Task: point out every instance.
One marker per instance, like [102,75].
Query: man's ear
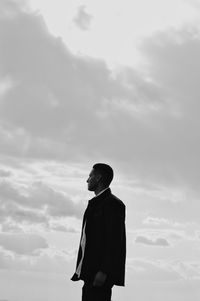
[98,177]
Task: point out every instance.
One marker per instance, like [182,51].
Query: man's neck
[100,190]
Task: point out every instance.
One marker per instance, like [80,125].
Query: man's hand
[99,279]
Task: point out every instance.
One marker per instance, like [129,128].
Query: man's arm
[114,218]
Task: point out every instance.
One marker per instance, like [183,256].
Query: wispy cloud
[4,173]
[83,18]
[162,242]
[23,244]
[161,270]
[47,260]
[36,205]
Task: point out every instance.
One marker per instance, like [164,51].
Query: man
[102,250]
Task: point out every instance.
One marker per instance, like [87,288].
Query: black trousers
[92,293]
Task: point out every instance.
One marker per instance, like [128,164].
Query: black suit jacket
[105,248]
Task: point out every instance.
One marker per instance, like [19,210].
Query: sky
[87,81]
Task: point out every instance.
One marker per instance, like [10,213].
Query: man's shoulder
[113,200]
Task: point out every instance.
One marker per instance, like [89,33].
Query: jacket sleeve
[114,231]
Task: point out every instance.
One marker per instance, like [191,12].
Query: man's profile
[102,250]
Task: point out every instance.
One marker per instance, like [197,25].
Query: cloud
[14,213]
[162,270]
[187,270]
[46,260]
[151,270]
[172,56]
[83,19]
[57,203]
[50,82]
[38,204]
[156,221]
[62,228]
[70,95]
[23,244]
[5,173]
[143,122]
[161,242]
[165,237]
[5,86]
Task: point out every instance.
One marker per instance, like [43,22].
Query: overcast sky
[86,81]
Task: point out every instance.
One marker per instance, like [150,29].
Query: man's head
[100,177]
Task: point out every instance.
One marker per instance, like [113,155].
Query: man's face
[93,180]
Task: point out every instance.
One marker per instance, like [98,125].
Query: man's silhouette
[102,250]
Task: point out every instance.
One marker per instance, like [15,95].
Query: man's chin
[90,188]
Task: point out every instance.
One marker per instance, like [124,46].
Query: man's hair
[106,171]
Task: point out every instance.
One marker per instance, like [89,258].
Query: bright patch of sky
[115,28]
